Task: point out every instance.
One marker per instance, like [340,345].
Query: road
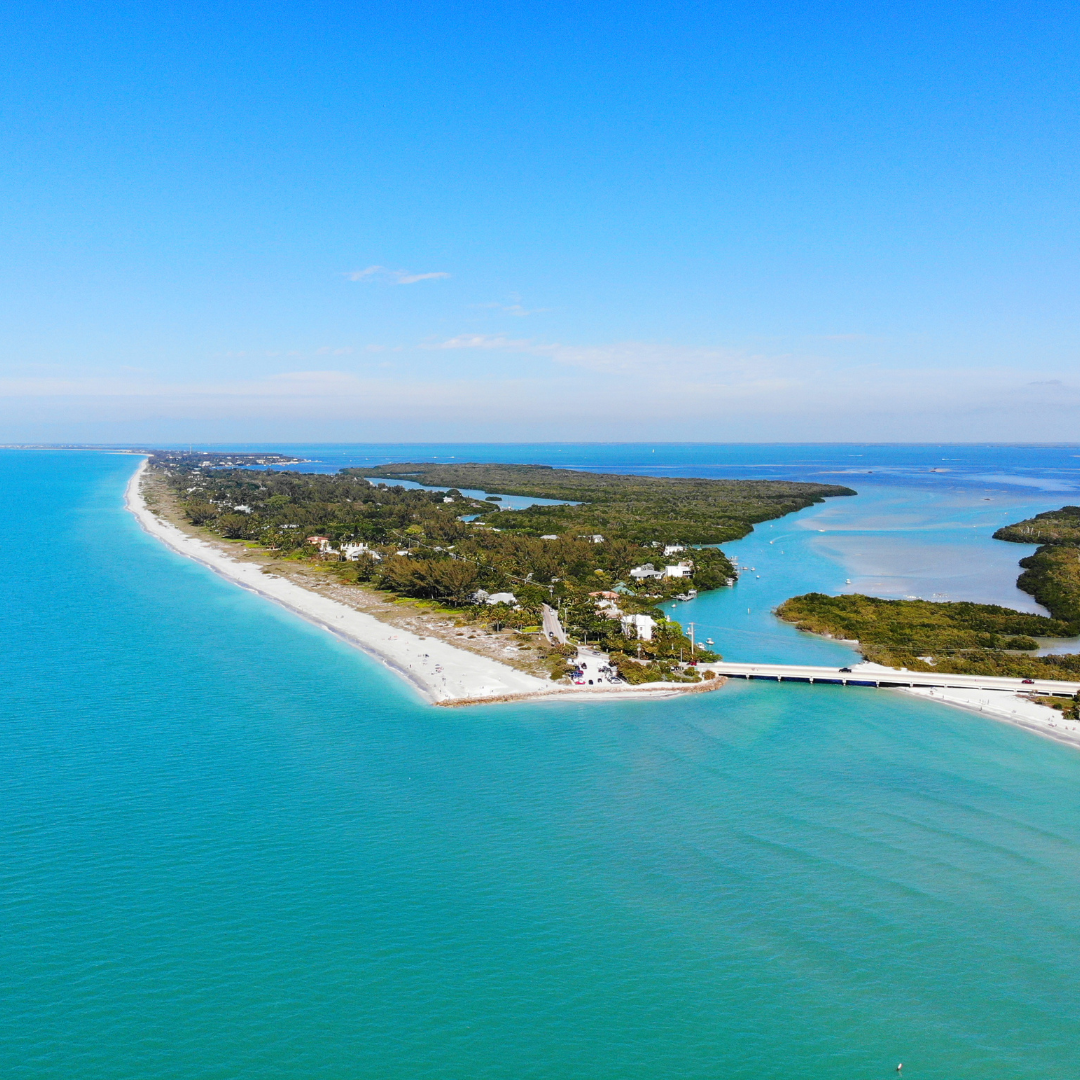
[869,675]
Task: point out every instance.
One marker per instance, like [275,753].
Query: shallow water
[232,846]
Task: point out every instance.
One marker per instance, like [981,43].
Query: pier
[867,675]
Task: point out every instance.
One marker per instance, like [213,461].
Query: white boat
[709,641]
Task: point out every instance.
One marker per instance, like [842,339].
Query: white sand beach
[1007,706]
[439,672]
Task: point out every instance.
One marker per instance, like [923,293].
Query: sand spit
[439,672]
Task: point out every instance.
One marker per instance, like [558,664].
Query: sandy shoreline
[1002,705]
[439,672]
[1008,707]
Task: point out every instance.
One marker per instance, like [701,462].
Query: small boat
[709,641]
[847,581]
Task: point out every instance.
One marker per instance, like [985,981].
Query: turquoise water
[230,846]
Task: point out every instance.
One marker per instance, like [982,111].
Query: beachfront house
[680,569]
[321,542]
[641,573]
[638,626]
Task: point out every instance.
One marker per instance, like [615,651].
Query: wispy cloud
[483,341]
[396,277]
[512,309]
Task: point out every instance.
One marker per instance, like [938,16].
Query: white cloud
[512,309]
[482,341]
[409,279]
[397,277]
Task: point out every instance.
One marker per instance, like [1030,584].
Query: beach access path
[441,673]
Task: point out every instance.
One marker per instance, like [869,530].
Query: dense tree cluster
[1054,527]
[1052,574]
[643,509]
[977,639]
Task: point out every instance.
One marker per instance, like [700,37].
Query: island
[1052,574]
[566,592]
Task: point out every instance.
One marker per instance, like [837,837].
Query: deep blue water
[232,846]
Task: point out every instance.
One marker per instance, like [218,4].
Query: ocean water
[231,846]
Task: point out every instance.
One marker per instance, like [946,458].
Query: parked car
[1028,682]
[845,670]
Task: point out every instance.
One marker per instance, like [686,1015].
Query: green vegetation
[641,509]
[578,559]
[1069,707]
[1052,574]
[1054,527]
[977,639]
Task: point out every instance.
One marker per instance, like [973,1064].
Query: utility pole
[693,647]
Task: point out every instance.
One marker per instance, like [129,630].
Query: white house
[352,552]
[596,538]
[481,596]
[638,626]
[674,549]
[549,536]
[681,569]
[646,571]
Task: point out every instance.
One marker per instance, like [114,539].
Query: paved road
[552,627]
[860,676]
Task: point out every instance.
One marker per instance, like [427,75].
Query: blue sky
[739,221]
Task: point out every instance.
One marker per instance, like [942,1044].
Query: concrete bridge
[873,675]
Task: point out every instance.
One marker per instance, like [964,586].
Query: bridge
[872,675]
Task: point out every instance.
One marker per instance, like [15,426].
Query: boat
[709,641]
